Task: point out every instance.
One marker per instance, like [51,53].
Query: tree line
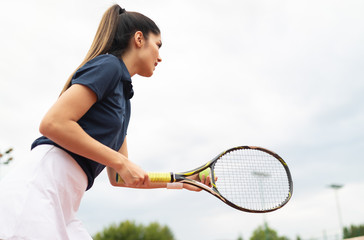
[129,230]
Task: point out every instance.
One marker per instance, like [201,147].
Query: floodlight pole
[260,176]
[336,187]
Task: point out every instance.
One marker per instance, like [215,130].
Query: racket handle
[164,177]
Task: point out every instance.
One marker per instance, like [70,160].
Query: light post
[336,187]
[261,176]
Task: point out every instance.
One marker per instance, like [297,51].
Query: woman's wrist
[175,185]
[119,162]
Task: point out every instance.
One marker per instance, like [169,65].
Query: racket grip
[164,177]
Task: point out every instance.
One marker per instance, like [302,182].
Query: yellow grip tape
[159,177]
[153,176]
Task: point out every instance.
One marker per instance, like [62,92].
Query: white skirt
[39,198]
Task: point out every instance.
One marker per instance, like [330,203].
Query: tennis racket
[250,179]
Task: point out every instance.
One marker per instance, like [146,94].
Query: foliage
[353,231]
[130,231]
[2,155]
[266,233]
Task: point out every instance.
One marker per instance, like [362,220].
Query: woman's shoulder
[102,66]
[106,63]
[105,59]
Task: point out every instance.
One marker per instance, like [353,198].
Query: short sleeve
[100,74]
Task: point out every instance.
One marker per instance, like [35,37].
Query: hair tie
[122,10]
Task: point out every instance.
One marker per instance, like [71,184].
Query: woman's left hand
[205,180]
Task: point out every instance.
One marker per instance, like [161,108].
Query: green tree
[157,232]
[128,230]
[262,233]
[353,231]
[5,158]
[8,158]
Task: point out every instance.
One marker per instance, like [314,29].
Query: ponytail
[116,28]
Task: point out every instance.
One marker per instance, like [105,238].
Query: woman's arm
[60,125]
[112,173]
[124,151]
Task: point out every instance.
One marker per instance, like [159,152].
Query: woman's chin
[147,74]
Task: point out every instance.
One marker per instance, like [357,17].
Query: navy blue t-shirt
[108,119]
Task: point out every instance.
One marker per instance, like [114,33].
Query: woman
[84,131]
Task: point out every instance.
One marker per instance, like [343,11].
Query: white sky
[285,75]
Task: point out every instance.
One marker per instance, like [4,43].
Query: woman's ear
[139,39]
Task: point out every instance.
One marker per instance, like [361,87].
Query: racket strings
[252,179]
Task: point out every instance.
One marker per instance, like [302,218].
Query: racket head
[251,179]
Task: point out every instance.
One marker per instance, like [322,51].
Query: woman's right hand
[132,175]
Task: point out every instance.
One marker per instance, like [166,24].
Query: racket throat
[173,177]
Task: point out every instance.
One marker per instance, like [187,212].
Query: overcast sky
[285,75]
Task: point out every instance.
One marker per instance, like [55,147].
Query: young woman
[84,131]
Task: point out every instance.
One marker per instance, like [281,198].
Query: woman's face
[149,55]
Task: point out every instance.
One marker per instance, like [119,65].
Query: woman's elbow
[47,127]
